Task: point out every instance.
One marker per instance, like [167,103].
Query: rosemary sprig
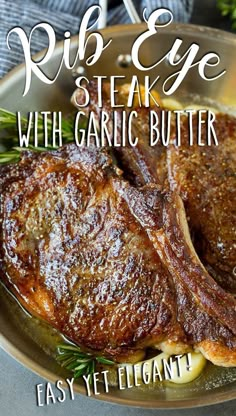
[8,130]
[80,363]
[11,156]
[8,123]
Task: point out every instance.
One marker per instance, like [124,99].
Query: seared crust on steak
[204,309]
[75,256]
[109,265]
[205,177]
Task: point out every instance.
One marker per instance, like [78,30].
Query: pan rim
[214,397]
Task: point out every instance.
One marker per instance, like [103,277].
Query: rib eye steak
[109,265]
[205,177]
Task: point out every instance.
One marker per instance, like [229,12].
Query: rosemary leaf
[81,366]
[70,347]
[67,362]
[9,157]
[91,371]
[63,357]
[103,360]
[79,373]
[74,359]
[73,366]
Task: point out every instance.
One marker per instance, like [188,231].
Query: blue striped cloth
[65,15]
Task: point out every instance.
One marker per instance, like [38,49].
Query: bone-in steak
[109,265]
[205,177]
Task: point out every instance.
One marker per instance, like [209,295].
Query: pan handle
[129,5]
[130,8]
[102,22]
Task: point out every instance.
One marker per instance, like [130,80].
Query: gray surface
[17,397]
[18,385]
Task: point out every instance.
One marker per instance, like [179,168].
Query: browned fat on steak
[139,162]
[109,265]
[205,177]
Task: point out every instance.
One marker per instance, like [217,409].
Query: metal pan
[31,342]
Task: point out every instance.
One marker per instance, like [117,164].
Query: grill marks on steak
[205,177]
[109,265]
